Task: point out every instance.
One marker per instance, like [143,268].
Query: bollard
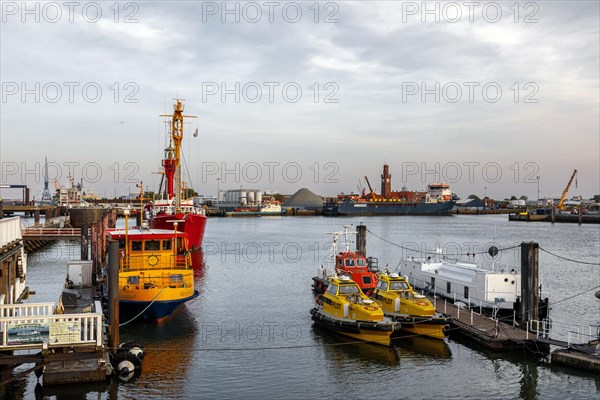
[445,307]
[471,317]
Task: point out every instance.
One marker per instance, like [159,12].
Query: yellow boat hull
[372,332]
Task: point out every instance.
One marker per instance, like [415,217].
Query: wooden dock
[490,333]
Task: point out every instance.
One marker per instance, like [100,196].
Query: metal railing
[52,232]
[155,280]
[153,261]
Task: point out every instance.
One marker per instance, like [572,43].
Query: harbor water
[250,335]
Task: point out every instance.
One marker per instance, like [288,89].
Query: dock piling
[113,293]
[361,239]
[529,281]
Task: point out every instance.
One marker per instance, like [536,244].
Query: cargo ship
[175,210]
[267,208]
[437,200]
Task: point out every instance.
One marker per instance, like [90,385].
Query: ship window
[466,292]
[177,278]
[133,280]
[167,245]
[332,289]
[366,280]
[432,282]
[350,262]
[121,243]
[152,245]
[361,262]
[384,285]
[448,287]
[136,245]
[340,262]
[347,289]
[398,285]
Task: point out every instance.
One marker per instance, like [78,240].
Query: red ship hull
[192,224]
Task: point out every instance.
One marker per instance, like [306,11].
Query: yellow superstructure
[347,310]
[416,313]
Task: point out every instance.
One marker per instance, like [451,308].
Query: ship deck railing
[155,261]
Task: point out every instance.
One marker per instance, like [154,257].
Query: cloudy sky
[490,95]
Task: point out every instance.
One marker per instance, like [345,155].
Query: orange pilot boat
[362,270]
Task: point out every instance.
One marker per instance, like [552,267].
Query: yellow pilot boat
[155,273]
[414,311]
[347,310]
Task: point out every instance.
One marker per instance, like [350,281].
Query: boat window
[177,278]
[121,243]
[167,245]
[133,280]
[136,245]
[384,285]
[448,287]
[432,282]
[398,285]
[347,289]
[361,262]
[152,245]
[350,262]
[332,289]
[466,292]
[340,262]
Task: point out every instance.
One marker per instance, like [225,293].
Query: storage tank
[251,197]
[258,196]
[243,197]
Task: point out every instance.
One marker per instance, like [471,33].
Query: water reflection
[341,349]
[168,354]
[423,347]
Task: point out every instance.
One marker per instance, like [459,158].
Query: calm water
[250,334]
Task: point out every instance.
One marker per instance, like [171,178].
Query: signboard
[27,333]
[65,332]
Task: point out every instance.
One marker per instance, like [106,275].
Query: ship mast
[173,163]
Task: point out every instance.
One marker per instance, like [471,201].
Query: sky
[486,96]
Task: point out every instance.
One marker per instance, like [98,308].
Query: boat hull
[150,310]
[192,224]
[348,207]
[378,333]
[433,327]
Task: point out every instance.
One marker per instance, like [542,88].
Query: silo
[258,196]
[243,197]
[251,197]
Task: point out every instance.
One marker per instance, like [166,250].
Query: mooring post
[113,293]
[529,281]
[361,239]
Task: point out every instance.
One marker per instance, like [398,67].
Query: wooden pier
[492,334]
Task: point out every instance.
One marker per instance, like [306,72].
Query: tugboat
[345,309]
[155,272]
[414,311]
[351,263]
[192,218]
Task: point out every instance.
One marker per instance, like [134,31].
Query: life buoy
[421,303]
[152,260]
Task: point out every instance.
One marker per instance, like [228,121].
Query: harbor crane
[561,204]
[370,188]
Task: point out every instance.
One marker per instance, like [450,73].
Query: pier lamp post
[126,213]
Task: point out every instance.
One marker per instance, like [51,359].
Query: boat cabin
[151,249]
[356,266]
